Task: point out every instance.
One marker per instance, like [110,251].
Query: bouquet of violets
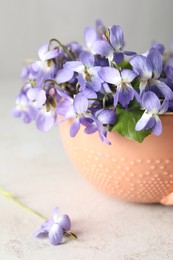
[100,86]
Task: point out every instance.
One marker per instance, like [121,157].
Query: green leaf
[125,65]
[126,121]
[135,83]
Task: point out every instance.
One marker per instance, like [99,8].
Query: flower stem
[62,46]
[10,196]
[51,81]
[70,234]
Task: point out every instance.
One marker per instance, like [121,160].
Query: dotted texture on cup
[126,169]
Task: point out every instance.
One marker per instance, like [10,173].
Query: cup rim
[167,114]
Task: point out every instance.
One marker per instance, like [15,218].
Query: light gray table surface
[34,167]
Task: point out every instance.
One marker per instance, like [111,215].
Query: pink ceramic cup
[132,171]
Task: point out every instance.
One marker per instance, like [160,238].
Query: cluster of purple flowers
[88,84]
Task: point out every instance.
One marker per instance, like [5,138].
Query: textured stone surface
[34,167]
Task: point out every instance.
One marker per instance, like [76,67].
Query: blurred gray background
[25,25]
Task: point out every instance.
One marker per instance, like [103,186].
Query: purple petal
[80,104]
[46,225]
[116,98]
[169,71]
[45,54]
[22,99]
[129,53]
[65,108]
[44,121]
[151,123]
[25,72]
[89,93]
[90,129]
[75,47]
[40,233]
[82,82]
[63,94]
[95,84]
[99,23]
[90,36]
[74,128]
[103,137]
[142,86]
[126,94]
[103,134]
[100,27]
[64,75]
[165,90]
[116,37]
[107,117]
[56,234]
[40,96]
[32,93]
[85,121]
[128,75]
[64,221]
[159,47]
[142,66]
[164,107]
[143,121]
[42,71]
[137,96]
[110,75]
[35,66]
[101,61]
[33,112]
[25,117]
[106,88]
[87,58]
[118,57]
[157,129]
[102,47]
[76,66]
[16,112]
[43,231]
[55,214]
[155,58]
[93,71]
[151,102]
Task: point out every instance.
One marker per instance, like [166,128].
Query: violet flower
[124,91]
[157,46]
[80,105]
[44,68]
[23,107]
[45,103]
[55,228]
[153,108]
[149,69]
[112,45]
[76,108]
[91,35]
[168,68]
[45,53]
[87,72]
[38,96]
[101,120]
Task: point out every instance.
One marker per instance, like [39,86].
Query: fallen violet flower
[55,228]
